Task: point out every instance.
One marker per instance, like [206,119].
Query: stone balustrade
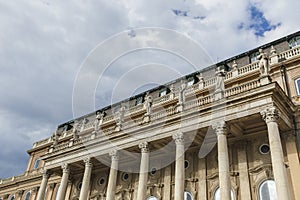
[289,53]
[109,120]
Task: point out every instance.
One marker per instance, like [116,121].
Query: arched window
[12,197]
[217,195]
[267,190]
[152,198]
[36,163]
[27,196]
[297,84]
[188,196]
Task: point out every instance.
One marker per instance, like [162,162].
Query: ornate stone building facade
[229,131]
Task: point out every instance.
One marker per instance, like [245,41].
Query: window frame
[262,183]
[25,197]
[163,92]
[12,197]
[218,189]
[37,163]
[296,85]
[294,42]
[188,193]
[253,57]
[151,197]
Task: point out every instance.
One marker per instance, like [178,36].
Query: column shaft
[43,186]
[63,183]
[243,171]
[84,191]
[167,183]
[271,116]
[223,162]
[279,169]
[112,181]
[144,168]
[202,185]
[179,167]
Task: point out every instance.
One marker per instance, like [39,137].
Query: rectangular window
[253,57]
[190,82]
[139,101]
[163,92]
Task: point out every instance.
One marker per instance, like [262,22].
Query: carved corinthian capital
[114,155]
[220,128]
[178,137]
[65,168]
[270,114]
[45,173]
[144,147]
[87,162]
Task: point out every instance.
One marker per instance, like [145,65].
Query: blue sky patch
[258,23]
[183,13]
[180,12]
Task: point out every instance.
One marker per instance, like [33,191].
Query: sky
[44,46]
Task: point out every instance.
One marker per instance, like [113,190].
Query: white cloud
[43,43]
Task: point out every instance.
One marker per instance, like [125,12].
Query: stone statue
[172,91]
[96,125]
[263,63]
[220,74]
[148,103]
[75,130]
[121,114]
[100,117]
[219,87]
[55,138]
[181,96]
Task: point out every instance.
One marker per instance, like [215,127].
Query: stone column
[202,185]
[179,167]
[294,167]
[63,183]
[43,186]
[144,168]
[243,171]
[84,191]
[223,161]
[112,181]
[167,182]
[271,116]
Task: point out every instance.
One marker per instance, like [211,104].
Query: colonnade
[270,116]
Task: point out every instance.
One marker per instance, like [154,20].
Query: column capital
[65,168]
[87,162]
[45,173]
[178,137]
[144,147]
[270,114]
[114,154]
[220,128]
